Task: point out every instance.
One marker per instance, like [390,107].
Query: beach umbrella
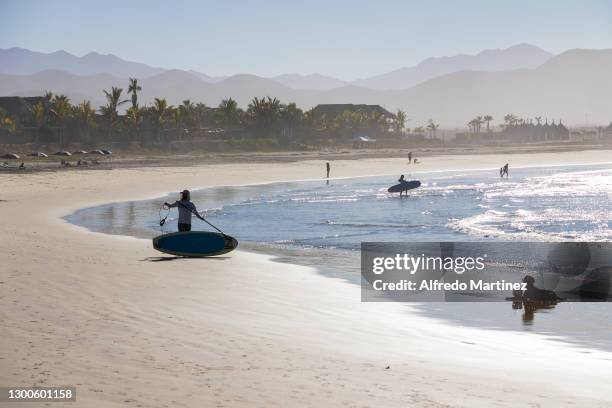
[11,156]
[38,154]
[63,153]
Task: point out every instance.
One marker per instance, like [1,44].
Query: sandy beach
[97,312]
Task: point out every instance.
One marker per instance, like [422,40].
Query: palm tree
[187,110]
[113,101]
[510,120]
[201,114]
[134,117]
[133,89]
[85,115]
[264,114]
[228,110]
[479,121]
[39,117]
[159,111]
[488,119]
[432,127]
[177,120]
[474,124]
[291,116]
[400,121]
[61,110]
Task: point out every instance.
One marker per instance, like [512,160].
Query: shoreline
[130,159]
[330,262]
[242,330]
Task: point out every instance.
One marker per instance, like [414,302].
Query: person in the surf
[328,167]
[506,170]
[402,180]
[185,209]
[501,172]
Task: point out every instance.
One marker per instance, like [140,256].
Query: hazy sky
[346,39]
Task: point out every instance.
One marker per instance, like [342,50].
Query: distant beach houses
[519,131]
[529,132]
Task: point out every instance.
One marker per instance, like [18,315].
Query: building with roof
[18,106]
[333,110]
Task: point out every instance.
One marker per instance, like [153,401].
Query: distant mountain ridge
[569,86]
[20,61]
[315,82]
[515,57]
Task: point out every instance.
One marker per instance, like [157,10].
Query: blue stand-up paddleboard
[401,187]
[195,244]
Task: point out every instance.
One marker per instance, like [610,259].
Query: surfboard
[195,244]
[409,185]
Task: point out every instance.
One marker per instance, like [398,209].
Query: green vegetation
[266,123]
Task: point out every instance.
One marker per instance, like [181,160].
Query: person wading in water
[185,209]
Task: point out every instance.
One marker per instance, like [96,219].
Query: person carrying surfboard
[185,209]
[402,180]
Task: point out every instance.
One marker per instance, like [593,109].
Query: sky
[341,38]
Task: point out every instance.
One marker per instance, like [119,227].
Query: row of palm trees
[475,125]
[160,121]
[264,117]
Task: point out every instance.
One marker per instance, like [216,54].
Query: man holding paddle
[185,209]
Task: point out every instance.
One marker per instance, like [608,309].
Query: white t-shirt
[185,209]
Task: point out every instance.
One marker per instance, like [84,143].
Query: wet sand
[101,313]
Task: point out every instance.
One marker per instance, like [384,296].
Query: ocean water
[322,224]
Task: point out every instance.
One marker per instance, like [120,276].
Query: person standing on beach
[328,166]
[409,157]
[506,170]
[185,209]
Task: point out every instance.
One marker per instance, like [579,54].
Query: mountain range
[569,86]
[20,61]
[515,57]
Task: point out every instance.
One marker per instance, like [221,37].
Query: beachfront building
[19,107]
[345,122]
[522,132]
[528,132]
[333,110]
